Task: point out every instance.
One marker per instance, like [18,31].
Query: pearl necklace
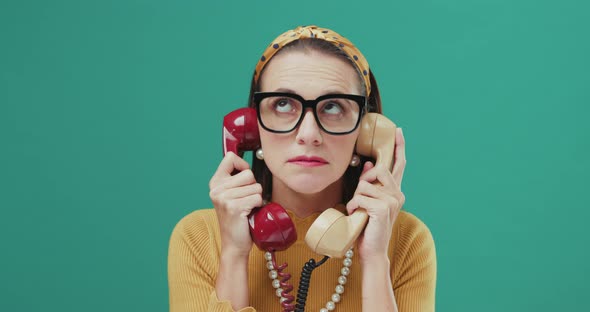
[339,290]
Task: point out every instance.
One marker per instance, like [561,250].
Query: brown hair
[351,175]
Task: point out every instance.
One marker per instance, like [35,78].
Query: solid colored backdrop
[110,123]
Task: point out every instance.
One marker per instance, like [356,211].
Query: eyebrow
[287,90]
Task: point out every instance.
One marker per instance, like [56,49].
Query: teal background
[110,117]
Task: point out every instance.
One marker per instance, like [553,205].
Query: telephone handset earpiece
[240,131]
[333,233]
[270,226]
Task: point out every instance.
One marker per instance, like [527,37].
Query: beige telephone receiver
[333,233]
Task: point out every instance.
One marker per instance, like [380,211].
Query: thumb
[366,167]
[230,163]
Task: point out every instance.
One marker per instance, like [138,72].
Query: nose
[309,131]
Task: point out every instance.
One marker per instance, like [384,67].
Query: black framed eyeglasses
[282,112]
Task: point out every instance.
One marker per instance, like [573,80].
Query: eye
[283,105]
[332,108]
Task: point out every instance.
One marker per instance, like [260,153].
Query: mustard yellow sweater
[193,263]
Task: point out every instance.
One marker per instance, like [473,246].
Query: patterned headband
[312,31]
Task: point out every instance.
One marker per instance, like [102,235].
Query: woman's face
[309,75]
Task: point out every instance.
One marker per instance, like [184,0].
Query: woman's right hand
[234,197]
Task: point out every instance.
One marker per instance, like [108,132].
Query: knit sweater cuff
[216,305]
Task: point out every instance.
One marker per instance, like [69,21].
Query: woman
[306,167]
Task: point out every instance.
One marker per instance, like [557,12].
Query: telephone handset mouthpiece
[333,233]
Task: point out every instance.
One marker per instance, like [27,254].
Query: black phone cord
[304,282]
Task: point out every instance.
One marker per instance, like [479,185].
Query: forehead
[310,74]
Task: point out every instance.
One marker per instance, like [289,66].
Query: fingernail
[400,130]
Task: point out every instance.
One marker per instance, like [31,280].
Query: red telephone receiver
[270,226]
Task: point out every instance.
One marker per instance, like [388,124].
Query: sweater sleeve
[192,267]
[415,284]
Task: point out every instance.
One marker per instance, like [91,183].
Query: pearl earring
[259,154]
[355,161]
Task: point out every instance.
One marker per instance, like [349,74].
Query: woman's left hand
[382,202]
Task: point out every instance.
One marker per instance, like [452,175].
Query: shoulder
[413,269]
[197,217]
[412,242]
[193,254]
[410,228]
[197,228]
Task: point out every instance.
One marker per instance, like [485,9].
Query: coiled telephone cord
[304,282]
[284,277]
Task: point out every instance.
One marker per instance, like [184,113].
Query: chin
[308,184]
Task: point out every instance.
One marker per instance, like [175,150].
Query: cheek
[267,139]
[272,145]
[275,147]
[343,147]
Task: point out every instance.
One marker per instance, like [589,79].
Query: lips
[308,161]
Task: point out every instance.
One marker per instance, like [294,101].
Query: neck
[303,205]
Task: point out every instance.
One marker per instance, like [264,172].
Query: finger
[380,174]
[243,191]
[367,189]
[228,164]
[388,207]
[366,167]
[244,206]
[367,173]
[245,177]
[400,156]
[364,202]
[379,192]
[387,180]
